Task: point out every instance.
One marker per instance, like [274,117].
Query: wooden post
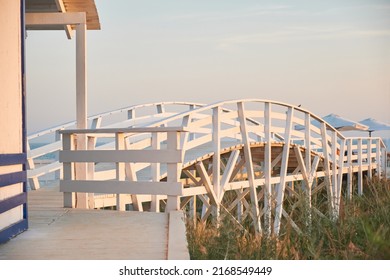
[120,171]
[360,169]
[267,170]
[340,176]
[378,158]
[173,139]
[334,167]
[68,145]
[283,172]
[216,158]
[369,158]
[155,203]
[249,168]
[81,106]
[350,169]
[328,180]
[91,171]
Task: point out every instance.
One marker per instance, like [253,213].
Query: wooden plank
[120,170]
[194,191]
[45,169]
[360,172]
[34,19]
[268,169]
[207,183]
[151,156]
[122,187]
[283,172]
[229,171]
[124,130]
[68,170]
[327,166]
[378,158]
[12,159]
[155,203]
[340,175]
[249,167]
[216,124]
[173,170]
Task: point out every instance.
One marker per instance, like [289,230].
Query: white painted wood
[194,191]
[378,158]
[173,170]
[369,158]
[155,204]
[249,168]
[48,168]
[340,176]
[216,123]
[91,142]
[328,178]
[124,130]
[334,168]
[52,147]
[55,18]
[120,171]
[122,187]
[360,172]
[227,174]
[61,7]
[151,156]
[268,169]
[68,167]
[349,164]
[207,183]
[283,172]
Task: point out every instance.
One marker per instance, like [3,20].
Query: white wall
[10,99]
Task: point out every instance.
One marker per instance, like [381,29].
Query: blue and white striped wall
[13,193]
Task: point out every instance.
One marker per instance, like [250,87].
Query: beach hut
[344,124]
[374,125]
[75,17]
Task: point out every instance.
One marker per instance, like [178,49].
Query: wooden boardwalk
[73,234]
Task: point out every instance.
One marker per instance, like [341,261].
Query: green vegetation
[361,232]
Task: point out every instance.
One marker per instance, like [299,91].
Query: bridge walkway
[59,233]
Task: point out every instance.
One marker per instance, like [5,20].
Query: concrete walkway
[72,234]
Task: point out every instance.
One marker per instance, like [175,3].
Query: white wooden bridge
[241,158]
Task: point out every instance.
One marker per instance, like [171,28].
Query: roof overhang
[64,6]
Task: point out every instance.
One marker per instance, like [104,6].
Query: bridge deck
[61,233]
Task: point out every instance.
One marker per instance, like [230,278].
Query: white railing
[43,146]
[273,143]
[79,166]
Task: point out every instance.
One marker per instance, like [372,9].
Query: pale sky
[329,56]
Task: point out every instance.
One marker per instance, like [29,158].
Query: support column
[81,106]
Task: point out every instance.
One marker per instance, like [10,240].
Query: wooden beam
[155,204]
[228,171]
[249,167]
[360,162]
[131,175]
[350,174]
[283,172]
[216,123]
[149,156]
[122,187]
[35,19]
[120,171]
[329,187]
[68,28]
[173,170]
[207,183]
[268,169]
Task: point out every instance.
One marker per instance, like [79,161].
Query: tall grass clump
[362,231]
